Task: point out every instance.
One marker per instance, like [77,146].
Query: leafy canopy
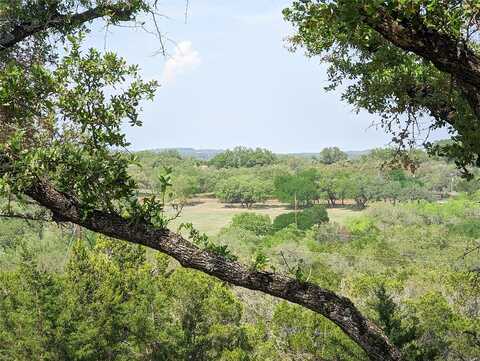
[243,157]
[299,188]
[408,91]
[65,124]
[332,155]
[245,190]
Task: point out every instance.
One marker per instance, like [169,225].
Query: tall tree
[298,189]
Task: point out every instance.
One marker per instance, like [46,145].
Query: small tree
[392,191]
[185,187]
[414,343]
[415,192]
[388,318]
[334,185]
[364,189]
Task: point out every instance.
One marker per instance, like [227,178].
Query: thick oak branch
[338,309]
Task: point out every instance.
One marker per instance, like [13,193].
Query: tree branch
[339,310]
[22,31]
[441,110]
[449,55]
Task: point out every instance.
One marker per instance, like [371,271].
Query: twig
[158,33]
[285,261]
[187,2]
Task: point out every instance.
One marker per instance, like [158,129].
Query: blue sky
[229,80]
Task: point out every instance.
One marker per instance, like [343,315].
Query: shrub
[283,220]
[362,227]
[363,231]
[331,232]
[185,187]
[304,219]
[314,215]
[257,223]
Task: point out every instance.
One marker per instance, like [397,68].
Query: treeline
[248,176]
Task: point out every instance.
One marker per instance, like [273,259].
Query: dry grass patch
[209,215]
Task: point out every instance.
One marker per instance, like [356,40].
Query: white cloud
[184,59]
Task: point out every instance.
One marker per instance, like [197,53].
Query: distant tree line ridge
[247,176]
[209,154]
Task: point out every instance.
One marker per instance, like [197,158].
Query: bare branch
[187,3]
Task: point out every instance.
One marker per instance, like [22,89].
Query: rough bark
[339,310]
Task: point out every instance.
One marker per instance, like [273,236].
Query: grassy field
[208,215]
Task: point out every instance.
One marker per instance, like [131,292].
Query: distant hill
[203,154]
[207,154]
[352,154]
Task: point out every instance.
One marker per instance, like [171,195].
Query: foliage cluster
[240,157]
[304,219]
[245,190]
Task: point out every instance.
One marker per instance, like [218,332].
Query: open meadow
[209,215]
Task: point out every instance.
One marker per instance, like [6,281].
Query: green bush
[362,227]
[283,220]
[257,223]
[314,215]
[304,219]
